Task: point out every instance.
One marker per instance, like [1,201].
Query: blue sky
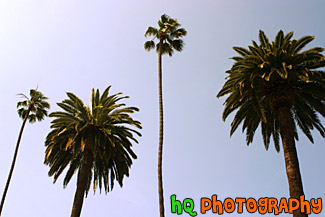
[71,46]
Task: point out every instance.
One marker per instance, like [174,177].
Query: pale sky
[72,46]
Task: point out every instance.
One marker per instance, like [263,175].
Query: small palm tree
[278,87]
[95,141]
[168,36]
[32,109]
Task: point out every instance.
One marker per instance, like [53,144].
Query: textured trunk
[161,134]
[290,156]
[82,181]
[14,159]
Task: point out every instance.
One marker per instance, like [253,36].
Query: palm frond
[148,45]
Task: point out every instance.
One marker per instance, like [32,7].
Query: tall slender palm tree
[278,86]
[32,109]
[96,141]
[168,36]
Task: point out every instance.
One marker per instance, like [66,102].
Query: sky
[72,46]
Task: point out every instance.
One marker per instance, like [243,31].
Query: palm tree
[278,86]
[32,109]
[168,36]
[96,141]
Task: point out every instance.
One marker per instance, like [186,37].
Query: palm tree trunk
[290,156]
[14,159]
[82,181]
[161,134]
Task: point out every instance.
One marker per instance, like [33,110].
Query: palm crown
[168,34]
[36,104]
[268,76]
[102,129]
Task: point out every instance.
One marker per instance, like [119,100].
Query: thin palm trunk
[14,159]
[290,156]
[82,181]
[161,134]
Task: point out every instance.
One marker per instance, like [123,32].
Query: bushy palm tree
[277,86]
[95,141]
[169,39]
[33,109]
